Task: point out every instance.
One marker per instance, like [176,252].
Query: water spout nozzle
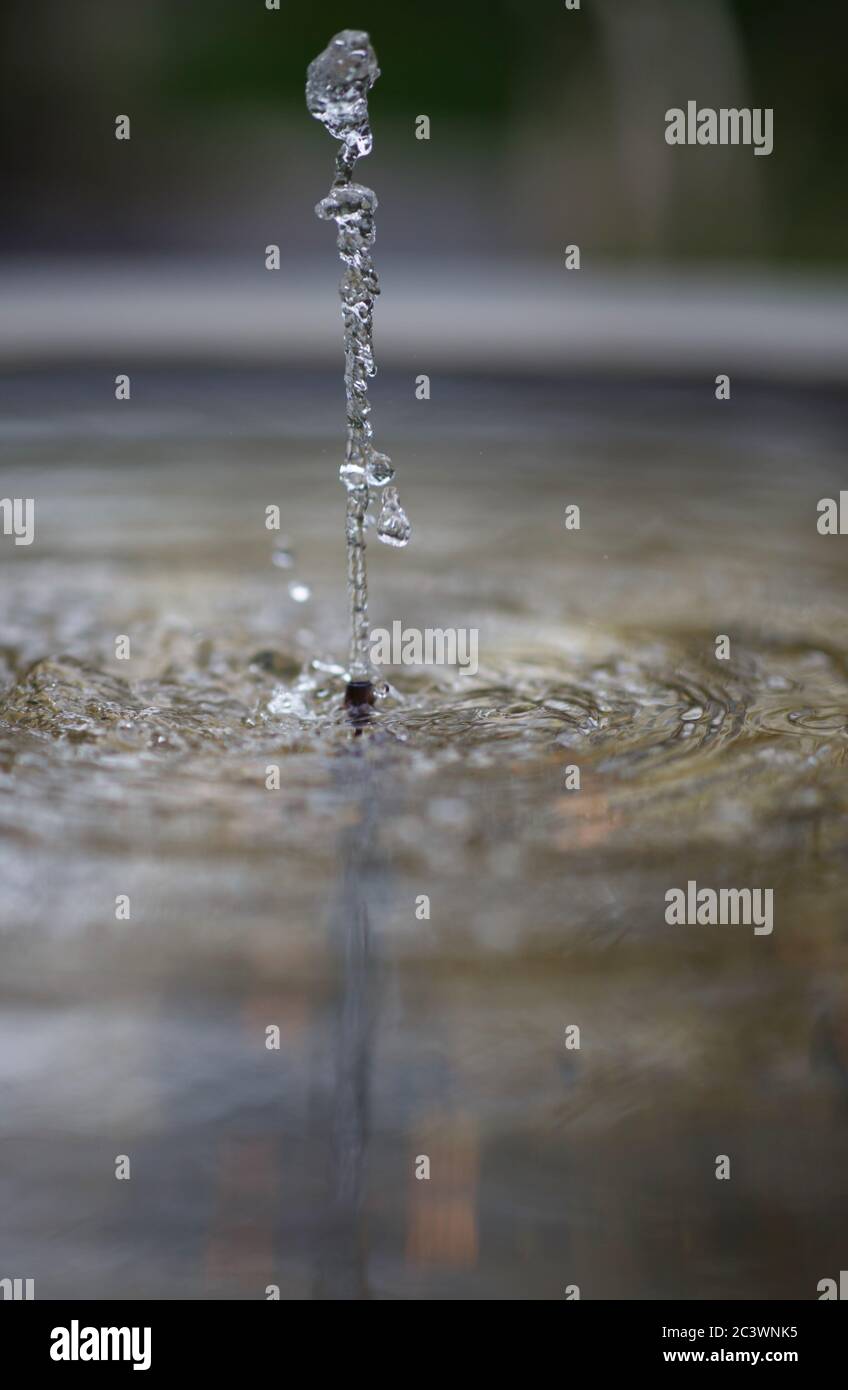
[358,699]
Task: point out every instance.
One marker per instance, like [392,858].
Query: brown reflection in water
[589,820]
[241,1245]
[442,1210]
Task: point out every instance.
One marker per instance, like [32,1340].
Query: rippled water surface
[296,907]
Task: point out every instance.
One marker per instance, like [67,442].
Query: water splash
[337,86]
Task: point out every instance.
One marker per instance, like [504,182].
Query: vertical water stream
[337,86]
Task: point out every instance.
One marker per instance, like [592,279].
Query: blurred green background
[547,127]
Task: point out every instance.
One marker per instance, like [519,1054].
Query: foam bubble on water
[337,86]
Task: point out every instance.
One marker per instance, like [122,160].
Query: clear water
[297,907]
[337,86]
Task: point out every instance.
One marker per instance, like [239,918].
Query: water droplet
[337,84]
[330,668]
[353,204]
[379,470]
[352,473]
[393,525]
[299,592]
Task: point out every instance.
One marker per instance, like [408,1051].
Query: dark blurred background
[547,126]
[547,129]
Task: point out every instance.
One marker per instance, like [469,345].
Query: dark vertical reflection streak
[344,1267]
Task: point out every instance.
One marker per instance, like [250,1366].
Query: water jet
[337,86]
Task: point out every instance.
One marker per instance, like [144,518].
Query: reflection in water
[442,1225]
[344,1263]
[442,1219]
[295,907]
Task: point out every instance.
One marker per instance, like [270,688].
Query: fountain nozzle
[359,697]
